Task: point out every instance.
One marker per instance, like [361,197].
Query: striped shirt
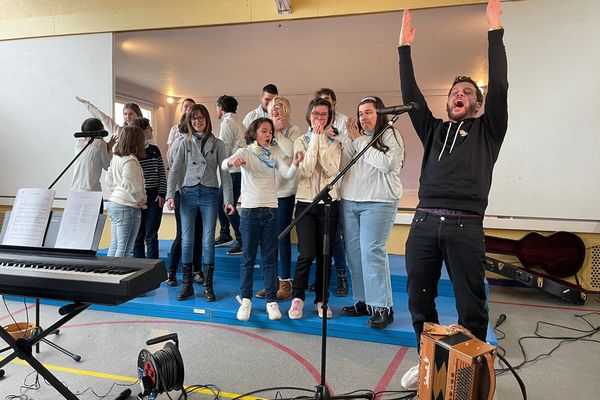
[154,171]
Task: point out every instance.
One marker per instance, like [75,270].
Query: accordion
[454,365]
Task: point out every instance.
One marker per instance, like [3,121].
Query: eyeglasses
[198,118]
[319,115]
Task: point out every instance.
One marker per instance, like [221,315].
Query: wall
[38,110]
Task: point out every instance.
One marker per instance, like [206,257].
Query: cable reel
[162,371]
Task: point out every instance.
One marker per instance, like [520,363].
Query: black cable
[270,389]
[562,339]
[517,377]
[408,394]
[213,388]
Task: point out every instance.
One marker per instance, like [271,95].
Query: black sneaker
[236,250]
[382,317]
[224,241]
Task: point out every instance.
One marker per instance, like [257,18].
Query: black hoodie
[460,177]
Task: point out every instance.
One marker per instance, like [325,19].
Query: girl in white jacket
[125,180]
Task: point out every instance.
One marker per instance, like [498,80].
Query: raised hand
[407,32]
[353,132]
[79,99]
[317,128]
[111,143]
[298,158]
[493,13]
[331,132]
[281,123]
[236,162]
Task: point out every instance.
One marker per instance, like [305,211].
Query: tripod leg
[74,356]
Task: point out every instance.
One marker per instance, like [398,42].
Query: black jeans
[458,241]
[146,242]
[175,256]
[224,219]
[310,230]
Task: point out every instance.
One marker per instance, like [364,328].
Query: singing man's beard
[471,111]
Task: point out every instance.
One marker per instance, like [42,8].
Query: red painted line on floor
[19,311]
[547,307]
[391,370]
[305,363]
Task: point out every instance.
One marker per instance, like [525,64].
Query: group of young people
[260,176]
[263,168]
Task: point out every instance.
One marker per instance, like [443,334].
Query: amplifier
[455,365]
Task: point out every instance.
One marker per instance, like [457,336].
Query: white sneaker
[410,380]
[320,310]
[273,310]
[295,311]
[243,313]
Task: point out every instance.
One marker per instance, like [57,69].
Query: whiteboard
[549,164]
[38,111]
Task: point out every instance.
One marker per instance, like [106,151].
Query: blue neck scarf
[263,154]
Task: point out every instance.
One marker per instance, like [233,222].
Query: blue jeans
[367,227]
[175,256]
[205,200]
[286,212]
[147,237]
[125,222]
[458,242]
[259,226]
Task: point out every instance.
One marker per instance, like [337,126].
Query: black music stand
[23,347]
[322,391]
[49,241]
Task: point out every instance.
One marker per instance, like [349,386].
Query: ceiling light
[170,100]
[284,7]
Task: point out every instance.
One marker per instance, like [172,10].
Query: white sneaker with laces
[295,311]
[273,310]
[243,313]
[410,380]
[320,310]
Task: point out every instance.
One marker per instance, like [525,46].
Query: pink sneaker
[295,311]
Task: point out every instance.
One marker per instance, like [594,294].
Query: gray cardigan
[191,166]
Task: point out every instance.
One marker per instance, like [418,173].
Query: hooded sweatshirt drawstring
[446,139]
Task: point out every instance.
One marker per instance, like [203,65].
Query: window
[146,111]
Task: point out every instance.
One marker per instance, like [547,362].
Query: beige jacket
[320,166]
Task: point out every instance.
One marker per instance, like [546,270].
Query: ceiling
[350,54]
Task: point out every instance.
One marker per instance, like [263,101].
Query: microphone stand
[322,391]
[74,356]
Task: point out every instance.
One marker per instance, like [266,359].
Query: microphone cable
[168,372]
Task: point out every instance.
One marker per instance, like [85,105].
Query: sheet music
[29,217]
[79,221]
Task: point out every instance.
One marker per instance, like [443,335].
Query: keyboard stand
[23,347]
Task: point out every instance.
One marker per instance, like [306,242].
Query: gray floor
[239,360]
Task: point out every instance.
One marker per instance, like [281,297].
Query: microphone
[396,110]
[91,134]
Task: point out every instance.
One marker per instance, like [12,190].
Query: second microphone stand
[74,356]
[322,391]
